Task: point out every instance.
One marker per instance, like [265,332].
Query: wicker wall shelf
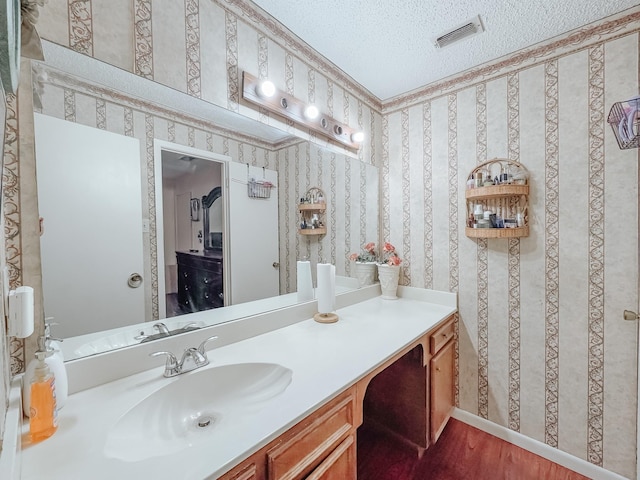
[484,193]
[509,200]
[312,207]
[497,232]
[312,213]
[313,231]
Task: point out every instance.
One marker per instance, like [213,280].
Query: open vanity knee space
[287,404]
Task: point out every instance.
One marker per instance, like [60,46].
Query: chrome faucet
[192,358]
[161,328]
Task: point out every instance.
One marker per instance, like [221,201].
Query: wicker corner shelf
[505,199]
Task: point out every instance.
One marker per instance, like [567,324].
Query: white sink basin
[194,407]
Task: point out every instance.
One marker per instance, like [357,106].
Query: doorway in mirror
[219,244]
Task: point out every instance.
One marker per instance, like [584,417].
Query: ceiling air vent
[468,29]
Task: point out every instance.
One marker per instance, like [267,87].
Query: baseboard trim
[534,446]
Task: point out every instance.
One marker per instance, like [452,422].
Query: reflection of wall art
[195,209]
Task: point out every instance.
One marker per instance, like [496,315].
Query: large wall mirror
[119,130]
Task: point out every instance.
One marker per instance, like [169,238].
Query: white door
[253,236]
[89,186]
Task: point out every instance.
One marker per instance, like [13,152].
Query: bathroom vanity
[339,376]
[323,445]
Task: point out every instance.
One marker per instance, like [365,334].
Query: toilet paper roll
[305,284]
[326,292]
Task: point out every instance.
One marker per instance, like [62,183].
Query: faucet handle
[204,344]
[192,359]
[161,328]
[172,361]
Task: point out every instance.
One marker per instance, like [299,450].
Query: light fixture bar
[290,107]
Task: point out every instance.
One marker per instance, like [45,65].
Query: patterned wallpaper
[543,347]
[4,344]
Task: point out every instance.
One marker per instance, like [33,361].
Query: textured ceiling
[386,45]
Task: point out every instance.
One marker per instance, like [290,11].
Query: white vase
[389,276]
[365,273]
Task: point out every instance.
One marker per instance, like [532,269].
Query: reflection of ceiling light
[311,112]
[357,137]
[266,89]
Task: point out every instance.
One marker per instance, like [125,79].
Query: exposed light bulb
[311,112]
[357,137]
[266,89]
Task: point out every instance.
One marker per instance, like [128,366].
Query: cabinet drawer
[340,464]
[440,337]
[306,448]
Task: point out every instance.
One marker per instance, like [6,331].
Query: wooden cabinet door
[442,389]
[299,452]
[340,464]
[245,471]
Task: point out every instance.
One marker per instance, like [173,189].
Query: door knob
[134,280]
[276,265]
[629,315]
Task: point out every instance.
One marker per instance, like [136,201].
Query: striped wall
[352,198]
[543,347]
[4,341]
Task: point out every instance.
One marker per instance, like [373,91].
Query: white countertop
[325,360]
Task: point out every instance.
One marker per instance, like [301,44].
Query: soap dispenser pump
[43,421]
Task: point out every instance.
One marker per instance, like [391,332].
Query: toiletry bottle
[55,362]
[43,421]
[471,183]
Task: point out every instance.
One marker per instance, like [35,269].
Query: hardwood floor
[462,453]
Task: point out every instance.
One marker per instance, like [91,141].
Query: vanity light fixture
[266,95]
[311,112]
[266,89]
[357,137]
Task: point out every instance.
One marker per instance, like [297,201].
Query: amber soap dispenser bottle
[43,421]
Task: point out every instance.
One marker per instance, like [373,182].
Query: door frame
[158,147]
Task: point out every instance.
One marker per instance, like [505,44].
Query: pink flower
[390,256]
[394,260]
[368,255]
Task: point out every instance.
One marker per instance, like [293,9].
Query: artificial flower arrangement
[390,256]
[368,254]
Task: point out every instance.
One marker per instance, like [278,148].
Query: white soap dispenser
[55,362]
